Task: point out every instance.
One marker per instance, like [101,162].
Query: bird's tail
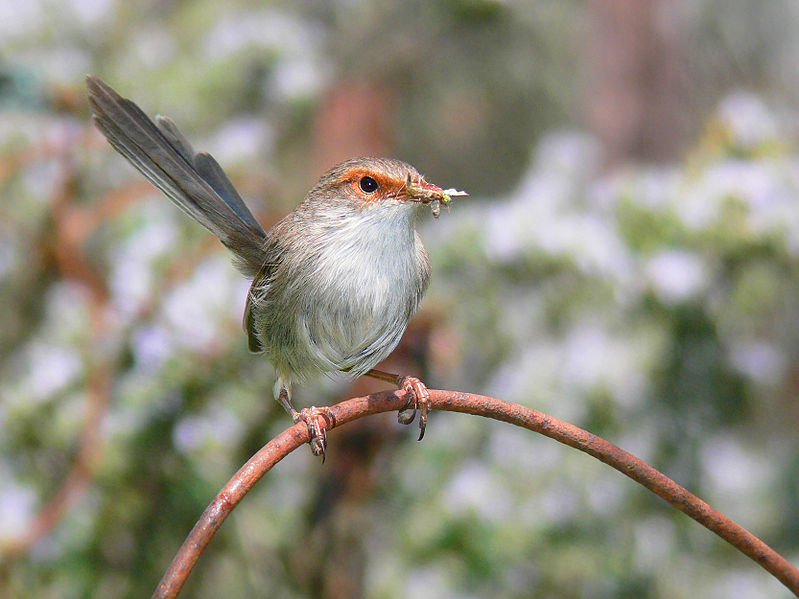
[193,181]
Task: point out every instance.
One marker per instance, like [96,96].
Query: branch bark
[489,407]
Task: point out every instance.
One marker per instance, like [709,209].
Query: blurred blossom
[529,370]
[241,288]
[17,503]
[503,239]
[515,450]
[18,19]
[153,46]
[64,64]
[62,133]
[761,361]
[568,155]
[431,581]
[589,354]
[217,426]
[50,368]
[595,246]
[243,139]
[766,186]
[759,185]
[648,186]
[749,120]
[131,280]
[42,179]
[474,489]
[644,440]
[158,234]
[541,193]
[299,67]
[152,345]
[675,275]
[141,400]
[130,283]
[66,308]
[546,213]
[297,78]
[594,358]
[733,469]
[197,309]
[608,493]
[658,186]
[20,127]
[266,28]
[559,502]
[655,539]
[92,12]
[743,583]
[699,202]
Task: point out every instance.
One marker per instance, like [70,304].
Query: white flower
[675,275]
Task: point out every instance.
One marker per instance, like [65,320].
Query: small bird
[334,283]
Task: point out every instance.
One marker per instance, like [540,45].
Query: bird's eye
[368,185]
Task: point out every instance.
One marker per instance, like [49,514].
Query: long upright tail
[193,181]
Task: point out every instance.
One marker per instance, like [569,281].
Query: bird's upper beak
[419,190]
[424,192]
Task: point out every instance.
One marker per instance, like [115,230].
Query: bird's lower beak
[427,193]
[422,191]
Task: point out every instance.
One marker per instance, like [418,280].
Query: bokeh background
[628,260]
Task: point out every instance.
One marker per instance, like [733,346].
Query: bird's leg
[317,419]
[418,395]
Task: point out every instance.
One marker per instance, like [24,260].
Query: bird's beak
[422,191]
[427,193]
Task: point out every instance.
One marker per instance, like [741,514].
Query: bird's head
[372,182]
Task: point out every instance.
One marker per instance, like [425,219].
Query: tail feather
[208,168]
[194,182]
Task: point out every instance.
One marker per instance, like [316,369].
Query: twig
[81,473]
[72,262]
[489,407]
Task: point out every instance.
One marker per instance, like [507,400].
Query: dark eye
[368,185]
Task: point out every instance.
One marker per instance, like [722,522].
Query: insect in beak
[427,193]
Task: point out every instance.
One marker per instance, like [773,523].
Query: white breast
[366,289]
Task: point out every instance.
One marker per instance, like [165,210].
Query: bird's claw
[318,420]
[418,399]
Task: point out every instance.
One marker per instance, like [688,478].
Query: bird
[334,283]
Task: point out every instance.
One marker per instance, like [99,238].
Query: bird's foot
[318,420]
[417,393]
[418,399]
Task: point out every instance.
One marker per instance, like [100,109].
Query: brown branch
[81,474]
[71,260]
[489,407]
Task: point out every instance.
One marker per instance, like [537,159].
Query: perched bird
[334,283]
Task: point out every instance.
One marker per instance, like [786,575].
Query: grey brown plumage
[335,282]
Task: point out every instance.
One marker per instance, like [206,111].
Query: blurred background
[628,260]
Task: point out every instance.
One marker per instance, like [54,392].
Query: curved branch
[489,407]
